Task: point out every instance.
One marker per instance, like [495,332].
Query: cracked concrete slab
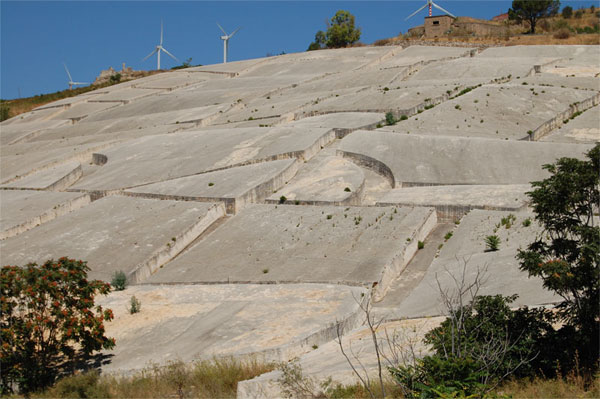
[438,160]
[137,232]
[191,322]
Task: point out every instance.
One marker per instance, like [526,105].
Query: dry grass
[545,33]
[570,387]
[204,379]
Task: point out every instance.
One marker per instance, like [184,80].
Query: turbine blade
[170,55]
[440,8]
[222,30]
[149,55]
[80,83]
[230,36]
[416,12]
[68,74]
[161,32]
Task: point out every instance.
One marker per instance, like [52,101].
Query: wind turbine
[225,39]
[429,4]
[160,48]
[71,83]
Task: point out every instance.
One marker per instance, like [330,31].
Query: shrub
[578,14]
[347,189]
[448,236]
[390,119]
[403,117]
[84,385]
[527,222]
[116,78]
[566,256]
[48,317]
[282,199]
[492,243]
[567,12]
[134,305]
[119,281]
[420,245]
[4,112]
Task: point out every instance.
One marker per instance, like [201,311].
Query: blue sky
[89,36]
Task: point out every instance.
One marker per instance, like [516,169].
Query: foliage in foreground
[48,319]
[566,256]
[202,379]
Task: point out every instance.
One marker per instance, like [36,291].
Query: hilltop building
[444,25]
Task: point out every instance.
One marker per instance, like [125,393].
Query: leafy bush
[567,255]
[116,78]
[282,199]
[4,112]
[403,117]
[48,317]
[390,119]
[475,348]
[420,245]
[119,281]
[567,12]
[492,243]
[81,386]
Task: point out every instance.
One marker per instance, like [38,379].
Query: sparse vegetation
[216,378]
[390,119]
[134,305]
[420,245]
[119,281]
[492,243]
[282,199]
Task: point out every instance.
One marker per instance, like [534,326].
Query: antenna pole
[158,60]
[430,9]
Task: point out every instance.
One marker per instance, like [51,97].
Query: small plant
[296,202]
[386,89]
[265,271]
[527,222]
[403,117]
[448,235]
[420,245]
[379,125]
[347,189]
[457,107]
[119,281]
[390,119]
[211,184]
[329,217]
[134,305]
[492,243]
[508,221]
[282,199]
[315,346]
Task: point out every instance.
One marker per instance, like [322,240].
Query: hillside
[257,206]
[583,28]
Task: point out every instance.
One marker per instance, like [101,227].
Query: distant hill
[583,27]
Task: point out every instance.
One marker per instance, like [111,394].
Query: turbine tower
[71,83]
[160,48]
[430,4]
[225,39]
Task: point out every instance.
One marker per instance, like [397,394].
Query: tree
[532,11]
[567,12]
[319,42]
[340,32]
[566,256]
[48,317]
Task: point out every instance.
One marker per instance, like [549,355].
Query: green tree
[566,255]
[48,318]
[532,11]
[319,42]
[567,12]
[340,32]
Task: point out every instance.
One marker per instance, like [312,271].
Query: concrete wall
[168,252]
[47,216]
